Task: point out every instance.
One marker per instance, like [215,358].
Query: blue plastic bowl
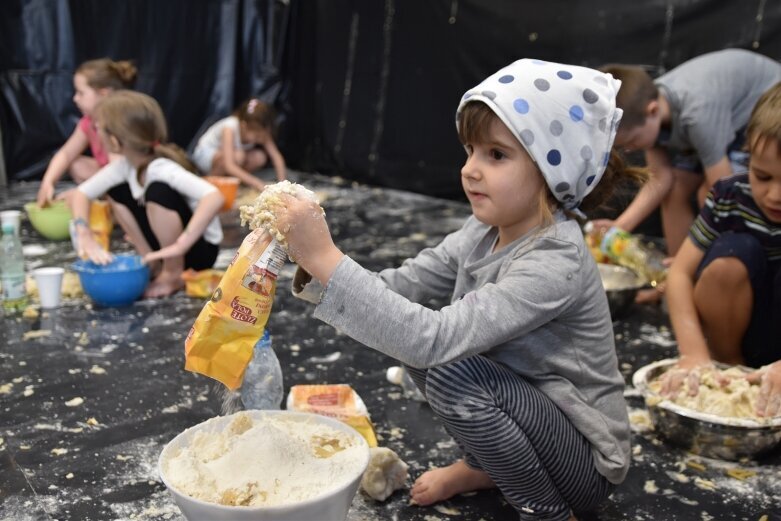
[118,283]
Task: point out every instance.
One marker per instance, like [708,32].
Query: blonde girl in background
[240,144]
[92,81]
[168,213]
[521,366]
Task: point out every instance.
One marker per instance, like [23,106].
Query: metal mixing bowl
[701,433]
[621,285]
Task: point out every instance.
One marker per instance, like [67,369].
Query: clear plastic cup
[49,281]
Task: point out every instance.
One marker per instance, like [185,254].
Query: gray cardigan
[536,306]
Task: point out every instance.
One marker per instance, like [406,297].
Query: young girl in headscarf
[521,366]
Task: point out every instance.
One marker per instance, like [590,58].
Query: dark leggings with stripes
[509,429]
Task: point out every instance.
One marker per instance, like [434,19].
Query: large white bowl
[332,505]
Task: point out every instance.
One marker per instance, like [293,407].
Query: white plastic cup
[49,282]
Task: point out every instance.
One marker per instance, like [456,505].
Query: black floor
[58,463]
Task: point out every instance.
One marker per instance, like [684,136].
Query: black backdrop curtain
[198,58]
[366,89]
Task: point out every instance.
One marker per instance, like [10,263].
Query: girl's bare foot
[163,285]
[443,483]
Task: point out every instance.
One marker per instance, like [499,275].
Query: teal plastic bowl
[116,284]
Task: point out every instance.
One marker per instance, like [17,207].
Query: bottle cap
[11,217]
[394,374]
[588,227]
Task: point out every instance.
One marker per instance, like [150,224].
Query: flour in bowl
[267,461]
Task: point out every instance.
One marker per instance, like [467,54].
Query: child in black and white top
[168,213]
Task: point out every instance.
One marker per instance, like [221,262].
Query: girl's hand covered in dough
[309,240]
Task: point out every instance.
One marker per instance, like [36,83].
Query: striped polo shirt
[730,207]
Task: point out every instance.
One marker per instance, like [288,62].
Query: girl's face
[502,183]
[85,96]
[764,176]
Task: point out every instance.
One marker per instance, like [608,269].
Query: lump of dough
[386,472]
[261,213]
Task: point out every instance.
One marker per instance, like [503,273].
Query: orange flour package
[220,342]
[201,283]
[338,401]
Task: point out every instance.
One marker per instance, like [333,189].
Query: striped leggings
[509,429]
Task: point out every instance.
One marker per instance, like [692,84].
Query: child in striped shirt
[724,288]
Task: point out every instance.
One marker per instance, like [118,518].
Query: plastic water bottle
[12,270]
[262,386]
[628,250]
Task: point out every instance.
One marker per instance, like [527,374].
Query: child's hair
[104,73]
[764,126]
[256,113]
[137,122]
[636,92]
[474,124]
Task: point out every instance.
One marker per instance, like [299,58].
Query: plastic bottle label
[627,250]
[614,242]
[13,287]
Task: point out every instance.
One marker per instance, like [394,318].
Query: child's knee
[733,258]
[453,393]
[724,272]
[239,156]
[83,168]
[256,158]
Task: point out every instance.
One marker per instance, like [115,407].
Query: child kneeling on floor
[521,366]
[168,213]
[240,144]
[724,288]
[92,81]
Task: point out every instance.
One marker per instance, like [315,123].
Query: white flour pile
[265,462]
[262,212]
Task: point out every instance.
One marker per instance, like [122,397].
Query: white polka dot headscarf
[565,116]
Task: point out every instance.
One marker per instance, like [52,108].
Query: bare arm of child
[276,158]
[207,208]
[88,247]
[73,147]
[309,240]
[692,346]
[231,162]
[652,193]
